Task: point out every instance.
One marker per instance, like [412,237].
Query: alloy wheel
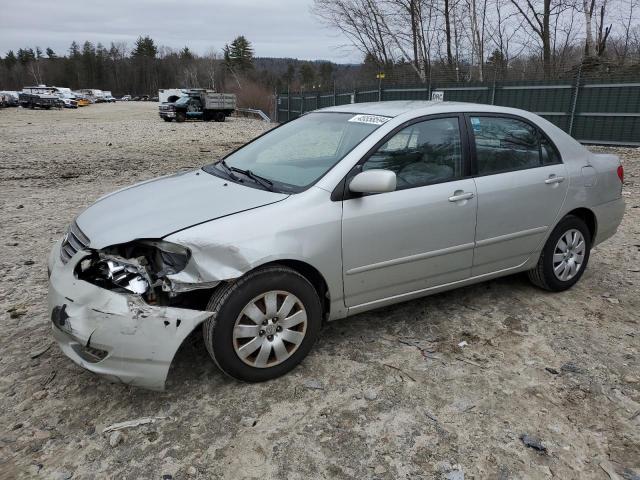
[269,329]
[568,255]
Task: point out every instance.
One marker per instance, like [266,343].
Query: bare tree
[627,11]
[211,62]
[587,8]
[603,32]
[538,17]
[447,29]
[360,22]
[476,12]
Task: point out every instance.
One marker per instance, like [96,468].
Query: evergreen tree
[144,58]
[101,58]
[186,54]
[498,61]
[326,73]
[26,55]
[290,74]
[88,62]
[307,75]
[10,59]
[145,47]
[74,50]
[51,53]
[238,56]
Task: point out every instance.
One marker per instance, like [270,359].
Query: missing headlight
[138,267]
[126,276]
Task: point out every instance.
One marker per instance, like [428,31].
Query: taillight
[621,173]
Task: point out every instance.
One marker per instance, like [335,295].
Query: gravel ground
[387,394]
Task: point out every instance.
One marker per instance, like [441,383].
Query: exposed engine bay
[141,267]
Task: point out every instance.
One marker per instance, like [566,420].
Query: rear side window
[423,153]
[548,151]
[506,144]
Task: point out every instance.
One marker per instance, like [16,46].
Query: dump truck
[199,104]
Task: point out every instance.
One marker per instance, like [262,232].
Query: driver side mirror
[373,181]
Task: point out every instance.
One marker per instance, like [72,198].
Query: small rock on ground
[313,384]
[370,395]
[116,438]
[248,422]
[379,470]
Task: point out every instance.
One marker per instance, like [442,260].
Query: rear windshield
[297,154]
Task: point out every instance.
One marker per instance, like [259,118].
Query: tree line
[145,67]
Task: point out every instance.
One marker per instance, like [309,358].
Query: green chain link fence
[592,110]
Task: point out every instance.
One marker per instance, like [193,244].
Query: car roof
[421,107]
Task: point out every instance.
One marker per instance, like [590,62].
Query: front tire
[564,257]
[264,324]
[180,117]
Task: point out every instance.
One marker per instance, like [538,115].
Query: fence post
[574,100]
[288,103]
[354,96]
[334,94]
[277,100]
[317,101]
[493,92]
[301,101]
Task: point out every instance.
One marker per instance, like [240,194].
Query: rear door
[521,184]
[420,235]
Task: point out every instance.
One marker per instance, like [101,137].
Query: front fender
[305,227]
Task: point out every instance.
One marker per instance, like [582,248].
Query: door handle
[461,196]
[554,179]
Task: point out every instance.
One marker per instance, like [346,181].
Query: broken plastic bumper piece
[117,335]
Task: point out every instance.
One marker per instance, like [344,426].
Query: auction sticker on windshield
[370,119]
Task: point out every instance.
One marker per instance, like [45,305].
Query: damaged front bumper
[114,334]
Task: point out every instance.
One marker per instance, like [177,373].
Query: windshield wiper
[229,171]
[265,182]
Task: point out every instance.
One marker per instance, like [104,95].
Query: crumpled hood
[156,208]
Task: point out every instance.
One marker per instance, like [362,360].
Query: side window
[422,153]
[549,153]
[505,144]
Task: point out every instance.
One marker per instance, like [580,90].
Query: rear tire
[564,257]
[219,117]
[264,324]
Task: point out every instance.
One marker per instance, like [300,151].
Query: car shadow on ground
[424,319]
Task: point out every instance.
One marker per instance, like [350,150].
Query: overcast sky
[277,28]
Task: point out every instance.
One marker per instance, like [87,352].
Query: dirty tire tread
[224,293]
[541,276]
[536,275]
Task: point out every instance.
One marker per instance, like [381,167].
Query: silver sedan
[341,211]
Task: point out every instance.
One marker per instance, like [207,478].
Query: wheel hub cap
[568,255]
[269,329]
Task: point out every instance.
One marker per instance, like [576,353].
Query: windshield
[183,100]
[297,154]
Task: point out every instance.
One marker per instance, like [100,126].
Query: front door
[521,184]
[420,235]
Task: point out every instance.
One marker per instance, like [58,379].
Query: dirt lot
[387,394]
